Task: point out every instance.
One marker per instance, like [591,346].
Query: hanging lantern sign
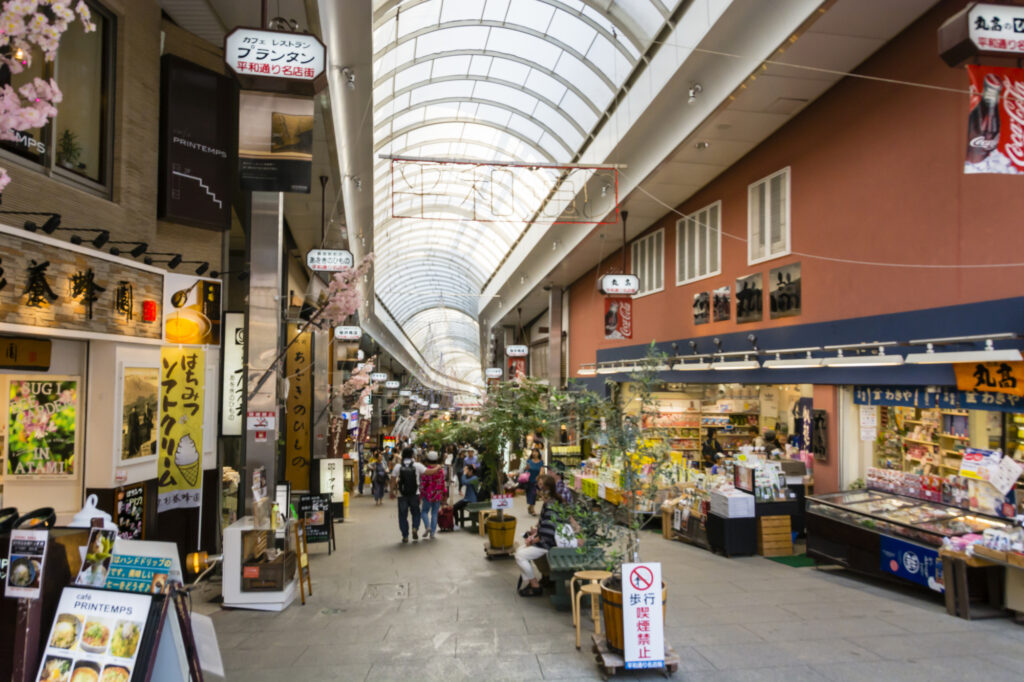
[392,384]
[493,372]
[329,260]
[348,333]
[434,406]
[276,61]
[517,351]
[620,285]
[405,393]
[379,376]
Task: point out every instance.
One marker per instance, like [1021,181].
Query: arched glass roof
[520,81]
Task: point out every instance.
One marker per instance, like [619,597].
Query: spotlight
[51,224]
[174,262]
[203,267]
[102,238]
[139,250]
[114,251]
[31,226]
[75,239]
[695,90]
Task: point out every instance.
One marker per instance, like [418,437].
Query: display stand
[234,595]
[305,580]
[733,537]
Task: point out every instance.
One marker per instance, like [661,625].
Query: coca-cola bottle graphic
[611,320]
[983,122]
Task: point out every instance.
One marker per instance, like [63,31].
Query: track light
[49,227]
[695,89]
[879,360]
[174,262]
[990,354]
[138,250]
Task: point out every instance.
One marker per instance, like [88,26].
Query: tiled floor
[439,610]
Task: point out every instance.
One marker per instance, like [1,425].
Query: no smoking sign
[641,578]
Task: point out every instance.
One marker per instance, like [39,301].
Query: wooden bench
[472,510]
[563,563]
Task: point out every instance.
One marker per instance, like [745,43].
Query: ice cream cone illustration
[186,457]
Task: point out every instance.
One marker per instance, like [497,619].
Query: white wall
[855,455]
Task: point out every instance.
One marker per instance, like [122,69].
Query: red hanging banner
[995,125]
[618,318]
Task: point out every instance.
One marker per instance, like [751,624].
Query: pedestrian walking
[433,492]
[405,480]
[380,478]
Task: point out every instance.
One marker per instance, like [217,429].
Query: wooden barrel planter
[501,532]
[611,609]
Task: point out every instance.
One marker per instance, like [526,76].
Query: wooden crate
[666,523]
[774,536]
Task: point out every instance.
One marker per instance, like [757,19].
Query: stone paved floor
[439,610]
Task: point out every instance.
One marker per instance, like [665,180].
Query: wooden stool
[583,576]
[484,515]
[594,590]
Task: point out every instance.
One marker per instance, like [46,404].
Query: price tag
[602,492]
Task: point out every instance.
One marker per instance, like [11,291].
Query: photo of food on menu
[95,637]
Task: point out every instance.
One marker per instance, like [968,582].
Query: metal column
[262,332]
[554,368]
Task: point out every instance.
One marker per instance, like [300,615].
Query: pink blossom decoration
[344,298]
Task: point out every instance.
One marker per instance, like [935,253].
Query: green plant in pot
[511,410]
[68,150]
[644,460]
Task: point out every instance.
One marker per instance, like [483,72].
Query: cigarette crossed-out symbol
[641,578]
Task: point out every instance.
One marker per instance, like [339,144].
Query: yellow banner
[990,377]
[180,467]
[297,423]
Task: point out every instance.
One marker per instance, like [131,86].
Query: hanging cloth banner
[995,125]
[297,423]
[618,318]
[180,467]
[946,398]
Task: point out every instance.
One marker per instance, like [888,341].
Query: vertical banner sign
[643,621]
[298,369]
[233,381]
[180,465]
[618,318]
[995,124]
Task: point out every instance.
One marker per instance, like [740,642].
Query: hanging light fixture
[989,354]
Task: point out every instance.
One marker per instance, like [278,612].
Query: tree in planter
[68,150]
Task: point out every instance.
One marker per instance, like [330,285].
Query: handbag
[524,478]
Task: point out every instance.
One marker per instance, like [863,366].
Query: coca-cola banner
[995,126]
[618,318]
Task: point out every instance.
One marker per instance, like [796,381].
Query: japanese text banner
[299,408]
[179,470]
[990,377]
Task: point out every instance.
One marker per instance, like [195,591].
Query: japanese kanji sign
[624,285]
[273,54]
[180,463]
[943,397]
[994,377]
[298,417]
[233,375]
[997,28]
[642,617]
[329,260]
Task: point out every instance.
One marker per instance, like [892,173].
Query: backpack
[407,480]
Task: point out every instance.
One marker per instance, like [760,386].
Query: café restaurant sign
[47,283]
[620,285]
[259,58]
[996,28]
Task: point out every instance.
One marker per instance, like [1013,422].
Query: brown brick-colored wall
[130,212]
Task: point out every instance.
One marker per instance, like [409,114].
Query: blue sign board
[130,573]
[942,397]
[911,562]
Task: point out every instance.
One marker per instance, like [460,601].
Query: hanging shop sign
[982,30]
[405,393]
[275,142]
[19,353]
[995,124]
[784,291]
[392,384]
[943,397]
[298,420]
[196,107]
[642,618]
[619,285]
[517,351]
[329,260]
[180,461]
[140,409]
[618,318]
[494,372]
[42,426]
[45,285]
[434,406]
[378,376]
[277,61]
[192,314]
[990,377]
[233,375]
[348,333]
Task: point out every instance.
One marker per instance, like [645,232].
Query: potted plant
[68,150]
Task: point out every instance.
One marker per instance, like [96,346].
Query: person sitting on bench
[470,481]
[540,539]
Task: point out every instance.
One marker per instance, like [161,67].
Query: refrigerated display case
[870,531]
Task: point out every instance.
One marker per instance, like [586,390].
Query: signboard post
[642,618]
[329,260]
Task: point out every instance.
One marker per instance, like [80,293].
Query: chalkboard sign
[131,512]
[315,510]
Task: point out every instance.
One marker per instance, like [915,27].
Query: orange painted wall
[826,474]
[876,175]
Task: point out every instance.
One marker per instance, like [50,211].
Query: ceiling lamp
[588,370]
[880,360]
[736,364]
[607,369]
[990,354]
[683,366]
[793,363]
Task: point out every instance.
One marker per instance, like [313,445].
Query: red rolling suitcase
[446,518]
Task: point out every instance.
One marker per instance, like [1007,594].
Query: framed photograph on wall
[701,308]
[749,298]
[140,417]
[42,426]
[721,303]
[784,296]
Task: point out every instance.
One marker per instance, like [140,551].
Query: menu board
[131,512]
[315,511]
[95,632]
[25,563]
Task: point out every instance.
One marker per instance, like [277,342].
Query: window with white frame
[649,262]
[768,217]
[699,244]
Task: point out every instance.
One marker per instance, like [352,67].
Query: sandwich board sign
[642,618]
